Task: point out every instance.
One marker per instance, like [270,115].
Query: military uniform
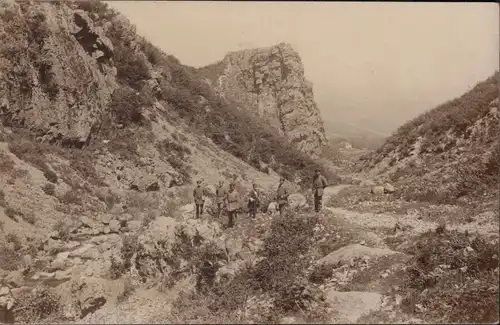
[220,194]
[253,203]
[282,198]
[199,200]
[232,206]
[319,183]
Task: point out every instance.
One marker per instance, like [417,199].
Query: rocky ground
[356,267]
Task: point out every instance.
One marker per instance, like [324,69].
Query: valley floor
[365,267]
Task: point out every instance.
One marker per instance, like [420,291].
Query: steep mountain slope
[102,136]
[270,83]
[450,152]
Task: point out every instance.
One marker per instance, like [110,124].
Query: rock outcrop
[60,89]
[270,82]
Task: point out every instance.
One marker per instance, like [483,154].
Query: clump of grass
[49,189]
[9,258]
[71,197]
[40,304]
[63,229]
[12,213]
[454,278]
[14,240]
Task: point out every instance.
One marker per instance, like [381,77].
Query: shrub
[126,106]
[11,213]
[40,304]
[131,68]
[9,258]
[63,230]
[14,239]
[453,285]
[71,197]
[50,176]
[2,198]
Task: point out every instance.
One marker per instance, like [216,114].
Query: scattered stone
[464,269]
[351,305]
[18,292]
[86,221]
[296,201]
[4,291]
[15,279]
[378,190]
[469,249]
[384,275]
[43,276]
[346,253]
[80,252]
[63,275]
[106,230]
[125,217]
[54,235]
[106,218]
[114,225]
[388,188]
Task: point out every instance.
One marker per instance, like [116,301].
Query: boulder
[378,190]
[145,183]
[106,218]
[388,188]
[296,201]
[351,305]
[87,296]
[272,208]
[4,291]
[114,225]
[346,253]
[15,279]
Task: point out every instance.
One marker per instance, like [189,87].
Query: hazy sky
[372,64]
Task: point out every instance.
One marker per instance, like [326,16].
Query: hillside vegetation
[447,153]
[193,101]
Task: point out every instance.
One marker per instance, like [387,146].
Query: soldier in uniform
[232,200]
[220,194]
[282,196]
[253,201]
[199,199]
[319,184]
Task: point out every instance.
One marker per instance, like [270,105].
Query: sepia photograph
[249,162]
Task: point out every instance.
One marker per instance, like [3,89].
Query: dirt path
[384,221]
[365,302]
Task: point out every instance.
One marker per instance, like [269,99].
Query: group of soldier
[229,199]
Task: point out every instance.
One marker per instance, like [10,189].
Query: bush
[50,176]
[126,106]
[131,68]
[40,304]
[71,197]
[9,258]
[14,240]
[453,286]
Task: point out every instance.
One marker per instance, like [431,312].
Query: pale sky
[373,64]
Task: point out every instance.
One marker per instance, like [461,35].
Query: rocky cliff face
[56,77]
[270,83]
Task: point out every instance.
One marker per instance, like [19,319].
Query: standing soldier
[282,196]
[232,200]
[199,200]
[319,184]
[253,201]
[220,193]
